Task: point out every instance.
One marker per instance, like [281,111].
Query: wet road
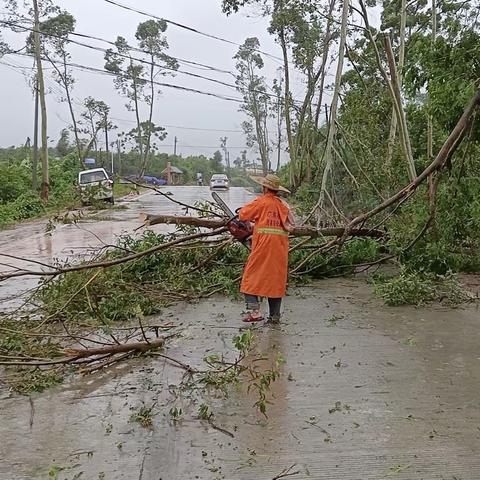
[70,241]
[366,393]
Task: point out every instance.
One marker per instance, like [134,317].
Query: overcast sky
[174,109]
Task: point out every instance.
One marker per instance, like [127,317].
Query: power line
[79,103]
[161,84]
[202,146]
[104,51]
[183,127]
[186,27]
[140,60]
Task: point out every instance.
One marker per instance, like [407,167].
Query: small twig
[32,411]
[142,330]
[287,472]
[220,429]
[186,367]
[110,360]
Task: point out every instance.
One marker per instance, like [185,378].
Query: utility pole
[35,140]
[119,156]
[106,134]
[43,104]
[175,147]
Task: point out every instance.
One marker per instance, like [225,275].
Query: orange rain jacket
[266,271]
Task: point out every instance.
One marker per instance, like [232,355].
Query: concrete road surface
[366,392]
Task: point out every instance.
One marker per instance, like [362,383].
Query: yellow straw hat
[272,182]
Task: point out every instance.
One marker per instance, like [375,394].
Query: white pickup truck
[95,184]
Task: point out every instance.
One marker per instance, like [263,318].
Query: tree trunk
[279,134]
[114,349]
[401,63]
[326,49]
[288,123]
[328,156]
[150,116]
[430,118]
[137,116]
[35,140]
[43,105]
[402,120]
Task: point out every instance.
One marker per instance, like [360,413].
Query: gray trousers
[274,304]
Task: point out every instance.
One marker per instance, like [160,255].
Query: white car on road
[95,184]
[219,180]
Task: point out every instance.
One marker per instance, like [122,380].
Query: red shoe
[250,318]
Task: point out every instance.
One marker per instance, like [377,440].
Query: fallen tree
[355,227]
[298,231]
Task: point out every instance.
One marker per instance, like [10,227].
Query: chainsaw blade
[225,208]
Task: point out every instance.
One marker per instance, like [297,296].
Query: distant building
[172,174]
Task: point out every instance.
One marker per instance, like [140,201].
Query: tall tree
[401,64]
[45,187]
[255,104]
[277,112]
[55,34]
[304,30]
[329,150]
[136,78]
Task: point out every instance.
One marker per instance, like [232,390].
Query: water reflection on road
[76,240]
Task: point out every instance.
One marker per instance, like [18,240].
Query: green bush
[419,288]
[18,201]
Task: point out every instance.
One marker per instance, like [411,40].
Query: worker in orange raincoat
[266,271]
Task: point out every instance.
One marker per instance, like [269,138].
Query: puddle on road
[355,401]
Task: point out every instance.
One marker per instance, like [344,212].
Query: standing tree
[94,120]
[305,30]
[277,112]
[43,104]
[255,98]
[226,153]
[40,11]
[55,32]
[136,79]
[329,149]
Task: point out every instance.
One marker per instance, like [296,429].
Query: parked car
[154,180]
[219,180]
[95,184]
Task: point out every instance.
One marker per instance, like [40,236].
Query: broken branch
[298,231]
[140,347]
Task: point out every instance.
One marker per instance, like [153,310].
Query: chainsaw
[241,231]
